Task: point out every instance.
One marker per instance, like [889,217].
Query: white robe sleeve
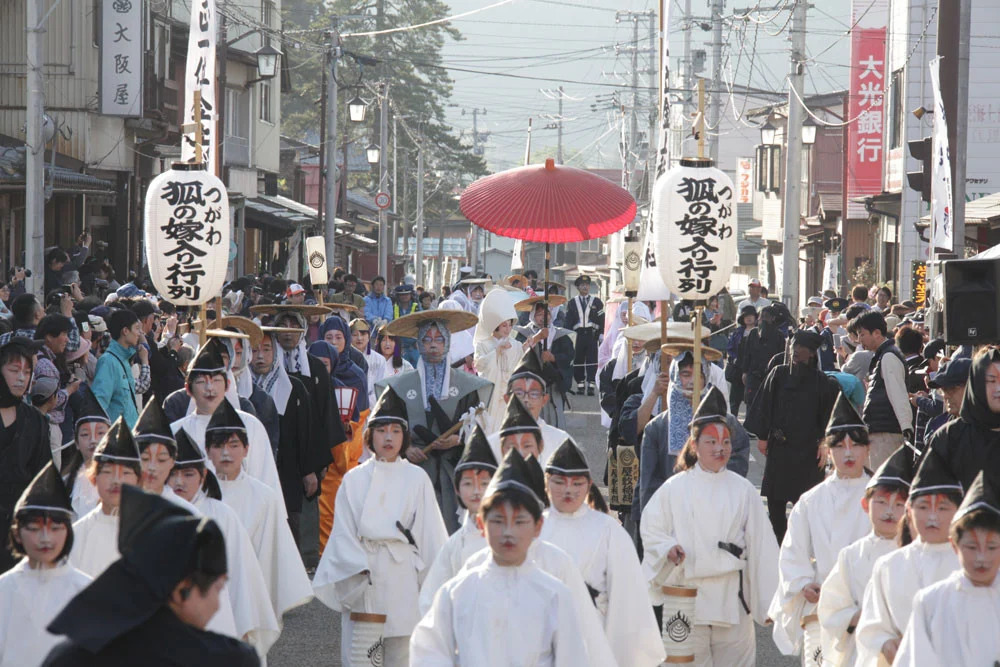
[339,582]
[439,572]
[433,642]
[836,608]
[629,623]
[795,571]
[286,576]
[598,648]
[762,573]
[428,529]
[917,641]
[875,627]
[658,539]
[570,628]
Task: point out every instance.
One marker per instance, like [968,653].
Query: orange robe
[345,457]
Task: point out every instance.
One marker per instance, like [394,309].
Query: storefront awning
[61,179]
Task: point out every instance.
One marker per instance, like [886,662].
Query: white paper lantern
[187,234]
[680,639]
[367,644]
[812,648]
[631,264]
[694,214]
[316,252]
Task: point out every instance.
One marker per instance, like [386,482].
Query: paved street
[311,635]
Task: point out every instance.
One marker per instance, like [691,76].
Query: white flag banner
[942,226]
[517,257]
[200,75]
[831,271]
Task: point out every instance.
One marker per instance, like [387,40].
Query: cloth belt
[738,553]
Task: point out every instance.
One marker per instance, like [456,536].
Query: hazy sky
[574,41]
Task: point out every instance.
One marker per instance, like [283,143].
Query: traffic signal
[921,149]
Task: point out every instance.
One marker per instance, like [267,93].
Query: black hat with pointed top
[844,416]
[225,419]
[537,477]
[984,494]
[530,366]
[517,419]
[117,446]
[188,454]
[207,362]
[933,477]
[896,471]
[154,427]
[568,460]
[388,408]
[160,543]
[477,455]
[45,493]
[88,409]
[712,408]
[514,473]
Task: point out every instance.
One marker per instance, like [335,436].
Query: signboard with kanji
[866,109]
[120,82]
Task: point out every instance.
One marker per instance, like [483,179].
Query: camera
[27,272]
[101,244]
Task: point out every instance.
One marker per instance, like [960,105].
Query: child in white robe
[472,475]
[719,518]
[840,597]
[606,556]
[826,519]
[387,529]
[90,427]
[40,585]
[504,611]
[955,621]
[934,498]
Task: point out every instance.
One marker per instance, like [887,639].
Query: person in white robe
[207,383]
[360,339]
[718,517]
[253,613]
[43,581]
[157,453]
[827,518]
[472,475]
[606,557]
[258,507]
[497,351]
[935,495]
[387,530]
[841,594]
[471,624]
[90,427]
[955,621]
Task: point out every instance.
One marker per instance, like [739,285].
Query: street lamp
[373,153]
[809,131]
[768,133]
[267,64]
[356,110]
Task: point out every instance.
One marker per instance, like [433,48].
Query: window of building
[896,112]
[266,114]
[768,168]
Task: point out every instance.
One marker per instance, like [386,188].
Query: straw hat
[527,305]
[244,324]
[675,349]
[301,308]
[407,326]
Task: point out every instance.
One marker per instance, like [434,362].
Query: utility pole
[331,151]
[34,176]
[717,7]
[420,208]
[793,159]
[383,218]
[633,127]
[559,149]
[654,87]
[954,25]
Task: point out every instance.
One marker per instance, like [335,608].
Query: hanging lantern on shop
[187,234]
[695,218]
[631,263]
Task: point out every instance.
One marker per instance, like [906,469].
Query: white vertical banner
[941,201]
[120,83]
[200,75]
[517,257]
[831,272]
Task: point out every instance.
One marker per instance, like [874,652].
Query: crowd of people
[145,447]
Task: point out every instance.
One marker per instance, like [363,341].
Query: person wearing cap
[472,475]
[90,427]
[606,556]
[347,295]
[949,381]
[718,518]
[954,621]
[789,418]
[754,299]
[758,348]
[157,452]
[378,307]
[826,518]
[934,498]
[585,316]
[251,598]
[377,557]
[928,405]
[24,432]
[295,294]
[114,385]
[43,581]
[471,616]
[404,304]
[156,599]
[887,409]
[842,592]
[556,350]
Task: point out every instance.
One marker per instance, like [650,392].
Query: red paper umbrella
[548,204]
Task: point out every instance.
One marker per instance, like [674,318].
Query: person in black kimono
[557,359]
[789,418]
[156,599]
[585,316]
[296,460]
[757,350]
[24,434]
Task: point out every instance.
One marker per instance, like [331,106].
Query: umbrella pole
[696,397]
[203,325]
[628,344]
[545,298]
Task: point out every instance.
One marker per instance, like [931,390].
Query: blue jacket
[114,384]
[378,307]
